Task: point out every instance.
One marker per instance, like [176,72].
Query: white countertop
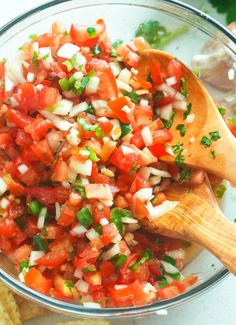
[217,306]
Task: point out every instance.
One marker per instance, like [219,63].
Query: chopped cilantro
[39,243]
[153,200]
[179,159]
[213,153]
[45,57]
[234,220]
[188,110]
[116,43]
[182,129]
[125,129]
[169,260]
[96,50]
[158,95]
[222,111]
[185,174]
[187,244]
[35,58]
[163,283]
[69,284]
[177,147]
[215,135]
[81,189]
[168,124]
[90,110]
[89,268]
[33,37]
[183,88]
[220,191]
[148,254]
[227,7]
[119,260]
[132,169]
[135,98]
[98,229]
[205,141]
[24,265]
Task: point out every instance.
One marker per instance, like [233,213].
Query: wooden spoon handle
[197,221]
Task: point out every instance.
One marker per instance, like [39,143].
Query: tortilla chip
[85,322]
[4,317]
[9,304]
[29,309]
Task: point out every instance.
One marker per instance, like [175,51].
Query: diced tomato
[126,162]
[19,118]
[139,208]
[109,232]
[5,244]
[61,171]
[107,86]
[139,183]
[93,278]
[163,101]
[124,294]
[107,268]
[141,297]
[158,149]
[117,105]
[168,292]
[16,188]
[154,266]
[174,69]
[52,259]
[8,228]
[106,126]
[48,96]
[67,216]
[53,231]
[162,136]
[39,128]
[49,195]
[5,140]
[20,254]
[190,280]
[2,82]
[137,140]
[28,96]
[35,280]
[156,72]
[233,130]
[142,239]
[89,252]
[62,244]
[80,34]
[23,138]
[42,151]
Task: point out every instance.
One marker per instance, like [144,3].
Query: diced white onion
[129,220]
[65,184]
[115,67]
[82,286]
[158,172]
[99,103]
[81,107]
[3,186]
[34,48]
[60,123]
[78,230]
[103,221]
[190,118]
[192,139]
[79,60]
[167,89]
[4,203]
[99,191]
[144,194]
[58,210]
[147,136]
[30,77]
[149,288]
[126,109]
[14,71]
[132,227]
[143,102]
[108,203]
[171,81]
[116,130]
[67,50]
[169,150]
[63,107]
[127,150]
[123,86]
[169,268]
[179,96]
[34,256]
[23,169]
[111,252]
[125,75]
[13,102]
[41,218]
[155,180]
[120,286]
[46,55]
[117,239]
[73,137]
[107,172]
[145,172]
[91,304]
[84,168]
[177,253]
[91,234]
[142,92]
[78,273]
[159,210]
[92,85]
[166,112]
[181,104]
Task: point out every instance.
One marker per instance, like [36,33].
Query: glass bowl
[122,18]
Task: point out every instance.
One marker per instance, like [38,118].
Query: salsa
[80,140]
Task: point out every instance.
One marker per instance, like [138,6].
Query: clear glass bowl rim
[77,310]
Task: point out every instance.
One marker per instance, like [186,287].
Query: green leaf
[215,135]
[177,147]
[168,124]
[40,244]
[205,141]
[188,110]
[213,153]
[182,129]
[116,43]
[222,111]
[89,268]
[85,217]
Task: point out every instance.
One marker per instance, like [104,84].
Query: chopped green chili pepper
[85,217]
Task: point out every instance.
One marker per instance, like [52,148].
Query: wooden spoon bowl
[197,218]
[207,119]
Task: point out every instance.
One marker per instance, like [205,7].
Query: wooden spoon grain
[197,218]
[207,119]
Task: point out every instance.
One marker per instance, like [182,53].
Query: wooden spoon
[197,218]
[207,119]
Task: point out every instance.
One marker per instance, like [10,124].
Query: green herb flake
[33,37]
[179,159]
[91,32]
[116,218]
[40,244]
[98,229]
[182,129]
[168,124]
[205,141]
[169,260]
[92,154]
[235,220]
[133,169]
[119,260]
[90,110]
[69,284]
[81,189]
[220,191]
[163,283]
[89,268]
[96,50]
[185,174]
[125,129]
[135,98]
[222,111]
[183,88]
[85,217]
[116,43]
[24,265]
[177,147]
[215,135]
[188,110]
[35,59]
[213,153]
[68,65]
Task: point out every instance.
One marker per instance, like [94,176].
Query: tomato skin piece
[29,99]
[60,171]
[42,151]
[162,136]
[5,140]
[109,232]
[89,252]
[39,128]
[48,195]
[117,105]
[23,139]
[48,96]
[156,72]
[125,162]
[107,268]
[168,292]
[52,259]
[139,183]
[19,118]
[233,130]
[67,216]
[107,86]
[35,280]
[158,149]
[137,140]
[2,82]
[174,69]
